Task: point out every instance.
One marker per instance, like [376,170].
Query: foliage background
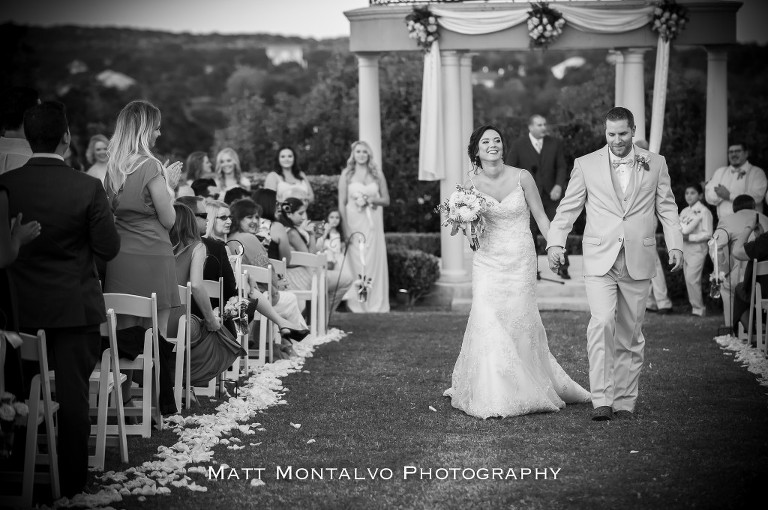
[222,90]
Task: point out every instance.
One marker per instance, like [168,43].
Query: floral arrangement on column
[545,25]
[422,26]
[669,19]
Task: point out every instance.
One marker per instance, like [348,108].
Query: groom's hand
[676,260]
[556,255]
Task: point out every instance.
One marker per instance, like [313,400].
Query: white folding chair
[317,294]
[182,347]
[253,275]
[105,382]
[143,307]
[41,409]
[756,306]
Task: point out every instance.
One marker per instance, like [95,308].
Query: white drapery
[594,20]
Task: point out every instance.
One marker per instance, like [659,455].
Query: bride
[505,367]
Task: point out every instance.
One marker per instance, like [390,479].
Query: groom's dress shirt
[538,143]
[745,180]
[623,168]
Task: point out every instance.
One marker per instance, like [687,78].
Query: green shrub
[428,242]
[412,270]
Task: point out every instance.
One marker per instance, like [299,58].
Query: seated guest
[209,355]
[747,252]
[728,229]
[236,193]
[271,232]
[245,224]
[205,188]
[293,216]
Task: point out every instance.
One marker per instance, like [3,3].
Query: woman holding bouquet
[362,195]
[505,367]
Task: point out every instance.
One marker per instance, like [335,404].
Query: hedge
[412,270]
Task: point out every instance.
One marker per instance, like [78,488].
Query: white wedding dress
[505,367]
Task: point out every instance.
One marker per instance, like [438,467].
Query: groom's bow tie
[616,163]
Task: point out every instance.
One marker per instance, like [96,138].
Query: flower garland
[545,25]
[669,19]
[422,26]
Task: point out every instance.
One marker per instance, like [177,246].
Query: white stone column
[716,150]
[467,126]
[467,110]
[634,88]
[452,247]
[369,120]
[617,59]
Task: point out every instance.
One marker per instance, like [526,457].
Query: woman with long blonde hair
[363,193]
[137,187]
[229,173]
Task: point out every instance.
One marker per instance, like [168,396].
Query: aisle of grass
[700,438]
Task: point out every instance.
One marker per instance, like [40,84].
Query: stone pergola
[381,28]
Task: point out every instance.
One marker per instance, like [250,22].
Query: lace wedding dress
[505,367]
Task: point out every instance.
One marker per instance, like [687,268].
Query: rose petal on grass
[296,425]
[432,409]
[310,441]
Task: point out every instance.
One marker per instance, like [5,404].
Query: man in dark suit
[55,275]
[542,155]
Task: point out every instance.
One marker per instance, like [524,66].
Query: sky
[319,19]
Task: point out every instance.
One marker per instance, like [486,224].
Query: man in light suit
[622,188]
[55,275]
[542,155]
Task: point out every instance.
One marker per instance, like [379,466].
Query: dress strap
[519,176]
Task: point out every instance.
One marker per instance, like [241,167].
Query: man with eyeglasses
[738,178]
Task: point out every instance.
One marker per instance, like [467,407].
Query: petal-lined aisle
[199,434]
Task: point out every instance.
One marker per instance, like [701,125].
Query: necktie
[618,162]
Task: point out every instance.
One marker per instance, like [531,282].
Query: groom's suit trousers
[615,341]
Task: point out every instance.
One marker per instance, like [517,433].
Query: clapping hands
[173,173]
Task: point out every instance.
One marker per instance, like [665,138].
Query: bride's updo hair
[474,142]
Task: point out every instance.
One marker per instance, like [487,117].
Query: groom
[622,187]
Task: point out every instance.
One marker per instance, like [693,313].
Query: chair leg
[30,449]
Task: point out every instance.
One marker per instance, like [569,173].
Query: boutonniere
[642,160]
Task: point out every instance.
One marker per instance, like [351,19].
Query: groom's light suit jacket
[616,219]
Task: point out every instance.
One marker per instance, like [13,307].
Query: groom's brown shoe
[602,413]
[623,415]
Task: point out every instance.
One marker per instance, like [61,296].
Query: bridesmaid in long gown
[363,194]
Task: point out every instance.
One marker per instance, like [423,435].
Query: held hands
[556,255]
[722,192]
[173,172]
[676,260]
[556,193]
[24,232]
[212,324]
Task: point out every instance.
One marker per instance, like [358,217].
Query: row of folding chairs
[106,381]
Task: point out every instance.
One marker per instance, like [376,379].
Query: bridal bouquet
[363,203]
[464,209]
[236,311]
[12,414]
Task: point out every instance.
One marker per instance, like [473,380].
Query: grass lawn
[700,437]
